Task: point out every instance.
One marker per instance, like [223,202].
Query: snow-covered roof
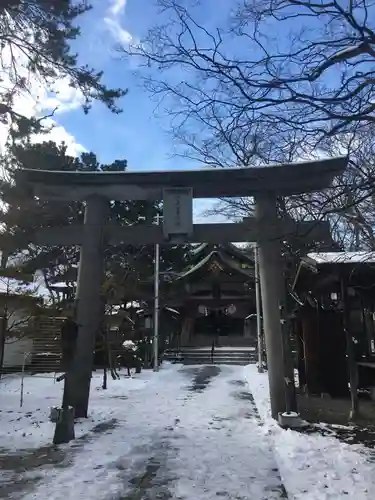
[59,284]
[342,257]
[12,286]
[317,261]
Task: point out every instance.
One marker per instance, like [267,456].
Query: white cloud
[63,97]
[59,134]
[117,7]
[40,100]
[120,34]
[113,18]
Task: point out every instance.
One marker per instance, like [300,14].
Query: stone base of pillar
[64,430]
[290,420]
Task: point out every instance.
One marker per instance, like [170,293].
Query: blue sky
[137,134]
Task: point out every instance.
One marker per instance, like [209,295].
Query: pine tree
[35,45]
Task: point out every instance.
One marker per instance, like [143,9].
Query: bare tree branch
[261,89]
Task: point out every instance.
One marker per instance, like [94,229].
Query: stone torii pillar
[88,306]
[271,272]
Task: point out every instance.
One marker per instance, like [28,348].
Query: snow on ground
[314,467]
[29,427]
[182,433]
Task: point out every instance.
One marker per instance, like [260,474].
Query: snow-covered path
[186,433]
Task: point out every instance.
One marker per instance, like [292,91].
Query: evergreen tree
[126,265]
[35,45]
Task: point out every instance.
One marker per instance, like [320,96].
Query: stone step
[218,353]
[222,355]
[218,359]
[207,352]
[216,356]
[219,348]
[189,362]
[240,362]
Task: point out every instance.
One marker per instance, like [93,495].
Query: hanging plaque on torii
[177,213]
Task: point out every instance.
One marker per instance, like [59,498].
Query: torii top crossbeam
[286,180]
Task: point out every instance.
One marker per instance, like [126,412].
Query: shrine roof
[228,248]
[227,262]
[285,179]
[323,269]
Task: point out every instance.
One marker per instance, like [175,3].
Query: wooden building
[334,321]
[216,297]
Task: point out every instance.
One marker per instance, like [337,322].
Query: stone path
[200,438]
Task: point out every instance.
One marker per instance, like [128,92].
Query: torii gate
[177,188]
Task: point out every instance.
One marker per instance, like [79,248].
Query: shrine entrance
[177,190]
[219,296]
[219,324]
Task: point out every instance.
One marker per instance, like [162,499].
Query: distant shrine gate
[177,189]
